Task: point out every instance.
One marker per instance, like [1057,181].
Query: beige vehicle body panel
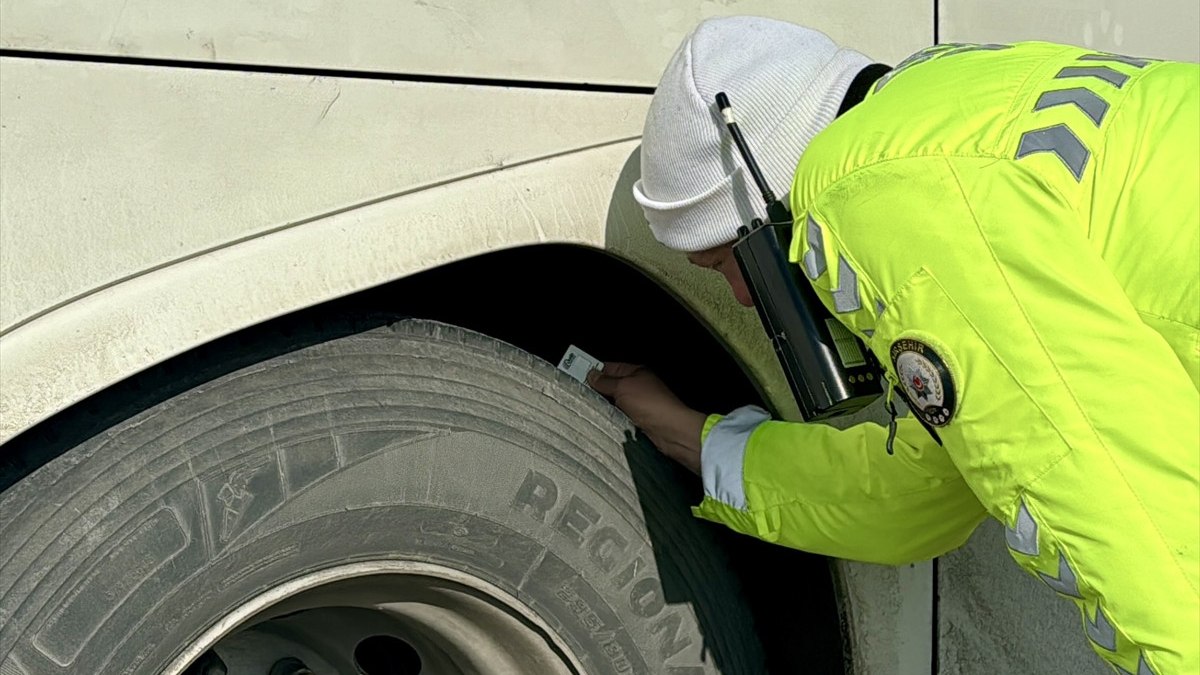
[141,176]
[238,197]
[148,209]
[598,41]
[1161,29]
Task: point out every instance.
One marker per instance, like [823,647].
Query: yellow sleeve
[836,492]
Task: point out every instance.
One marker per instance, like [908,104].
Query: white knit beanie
[786,84]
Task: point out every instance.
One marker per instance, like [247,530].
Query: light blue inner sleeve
[723,451]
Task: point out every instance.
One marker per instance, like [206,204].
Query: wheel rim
[386,617]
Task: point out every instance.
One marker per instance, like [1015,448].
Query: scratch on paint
[117,21]
[532,217]
[624,222]
[329,105]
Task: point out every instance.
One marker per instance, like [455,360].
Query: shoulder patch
[925,381]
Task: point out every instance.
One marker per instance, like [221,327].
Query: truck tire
[446,486]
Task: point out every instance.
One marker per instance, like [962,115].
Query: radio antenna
[727,113]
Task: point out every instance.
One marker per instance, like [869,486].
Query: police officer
[1014,230]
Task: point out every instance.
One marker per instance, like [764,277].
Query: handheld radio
[830,371]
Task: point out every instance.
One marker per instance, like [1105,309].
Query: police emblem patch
[925,381]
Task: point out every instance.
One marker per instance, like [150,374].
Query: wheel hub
[379,618]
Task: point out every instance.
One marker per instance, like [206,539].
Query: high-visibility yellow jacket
[1014,231]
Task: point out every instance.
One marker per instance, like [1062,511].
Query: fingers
[605,384]
[617,369]
[606,381]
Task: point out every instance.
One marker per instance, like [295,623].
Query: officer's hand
[672,426]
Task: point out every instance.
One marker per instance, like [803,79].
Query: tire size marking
[605,637]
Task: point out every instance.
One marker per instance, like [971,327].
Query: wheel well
[541,299]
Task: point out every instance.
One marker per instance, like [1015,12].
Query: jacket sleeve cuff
[708,425]
[722,454]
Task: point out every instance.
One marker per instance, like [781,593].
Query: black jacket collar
[861,84]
